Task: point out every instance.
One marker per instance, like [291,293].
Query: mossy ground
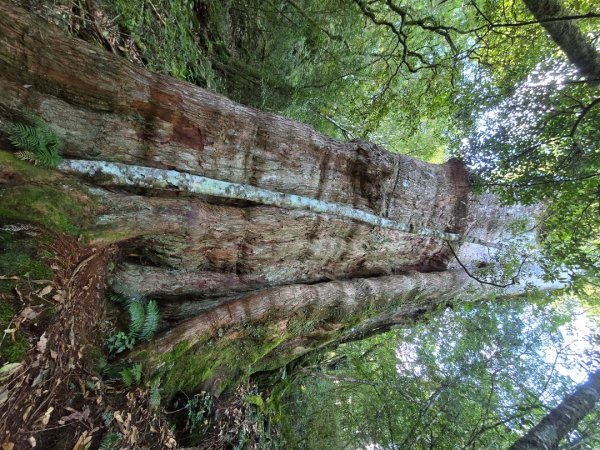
[40,196]
[10,350]
[21,256]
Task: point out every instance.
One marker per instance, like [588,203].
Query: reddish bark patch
[460,178]
[167,107]
[368,173]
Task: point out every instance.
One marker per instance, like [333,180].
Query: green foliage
[143,321]
[155,397]
[151,321]
[132,376]
[198,408]
[137,317]
[166,35]
[38,142]
[119,342]
[111,441]
[472,378]
[11,351]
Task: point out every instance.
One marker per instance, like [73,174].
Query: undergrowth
[37,141]
[143,322]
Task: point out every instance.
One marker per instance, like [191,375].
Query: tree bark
[568,37]
[226,269]
[548,433]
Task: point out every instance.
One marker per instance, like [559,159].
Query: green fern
[143,322]
[151,322]
[137,317]
[154,398]
[132,375]
[111,441]
[36,140]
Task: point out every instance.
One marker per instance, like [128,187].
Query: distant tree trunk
[284,281]
[568,36]
[555,426]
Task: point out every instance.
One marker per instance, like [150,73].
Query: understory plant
[35,139]
[143,321]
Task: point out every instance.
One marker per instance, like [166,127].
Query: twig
[514,279]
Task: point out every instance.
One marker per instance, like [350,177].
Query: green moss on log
[216,363]
[39,196]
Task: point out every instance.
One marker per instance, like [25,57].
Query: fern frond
[151,322]
[36,138]
[126,377]
[132,375]
[26,156]
[111,441]
[137,315]
[154,399]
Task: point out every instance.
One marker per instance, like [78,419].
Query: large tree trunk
[555,426]
[284,281]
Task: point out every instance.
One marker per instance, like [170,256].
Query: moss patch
[24,258]
[216,364]
[41,196]
[50,207]
[11,351]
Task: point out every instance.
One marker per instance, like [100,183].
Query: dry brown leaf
[28,313]
[41,343]
[12,332]
[81,442]
[45,291]
[26,413]
[46,417]
[8,446]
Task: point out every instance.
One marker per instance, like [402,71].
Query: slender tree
[555,426]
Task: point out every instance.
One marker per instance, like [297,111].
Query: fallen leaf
[46,417]
[8,446]
[12,332]
[29,313]
[80,445]
[41,344]
[26,413]
[45,291]
[3,396]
